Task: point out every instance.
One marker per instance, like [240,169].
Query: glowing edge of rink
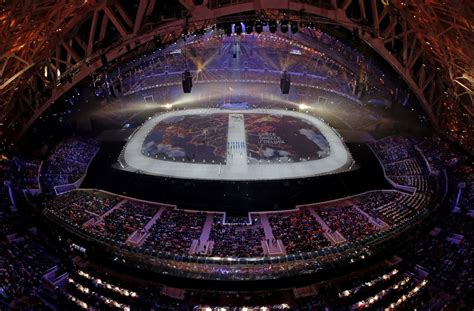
[133,160]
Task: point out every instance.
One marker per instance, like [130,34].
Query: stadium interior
[236,155]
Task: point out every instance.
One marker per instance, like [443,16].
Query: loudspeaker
[285,83]
[187,82]
[103,58]
[112,90]
[117,88]
[187,86]
[285,86]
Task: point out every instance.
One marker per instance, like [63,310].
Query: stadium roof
[49,46]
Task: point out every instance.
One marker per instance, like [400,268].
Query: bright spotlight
[168,106]
[303,106]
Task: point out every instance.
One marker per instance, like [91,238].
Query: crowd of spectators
[175,231]
[17,280]
[445,253]
[407,167]
[347,221]
[23,258]
[299,231]
[126,218]
[403,165]
[236,240]
[67,163]
[389,142]
[395,153]
[262,61]
[418,182]
[213,58]
[392,206]
[438,153]
[78,207]
[26,173]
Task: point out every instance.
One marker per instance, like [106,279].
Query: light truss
[428,42]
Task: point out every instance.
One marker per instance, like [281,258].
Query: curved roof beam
[440,75]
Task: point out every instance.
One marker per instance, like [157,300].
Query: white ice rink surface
[236,167]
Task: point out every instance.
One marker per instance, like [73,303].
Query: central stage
[215,144]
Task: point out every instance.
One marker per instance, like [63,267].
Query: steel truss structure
[49,46]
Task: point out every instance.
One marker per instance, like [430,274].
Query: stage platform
[235,145]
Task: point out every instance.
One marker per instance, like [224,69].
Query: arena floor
[220,154]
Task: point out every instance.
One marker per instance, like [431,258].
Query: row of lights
[239,28]
[249,27]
